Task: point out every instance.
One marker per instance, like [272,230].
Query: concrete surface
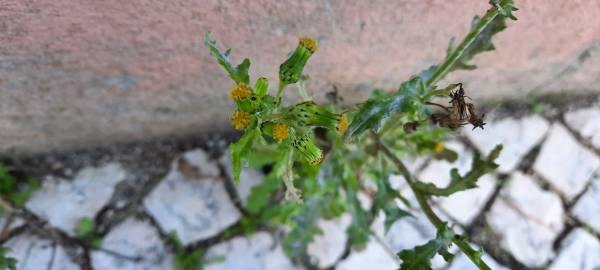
[78,73]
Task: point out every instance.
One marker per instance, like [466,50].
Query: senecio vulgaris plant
[326,155]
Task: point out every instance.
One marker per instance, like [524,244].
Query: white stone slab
[528,219]
[64,202]
[139,246]
[327,247]
[195,208]
[579,250]
[565,163]
[257,252]
[587,208]
[587,123]
[35,253]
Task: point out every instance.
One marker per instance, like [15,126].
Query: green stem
[467,41]
[278,95]
[473,255]
[429,189]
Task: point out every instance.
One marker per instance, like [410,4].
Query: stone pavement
[541,209]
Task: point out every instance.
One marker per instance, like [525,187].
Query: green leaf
[476,41]
[458,183]
[447,154]
[392,214]
[443,92]
[303,227]
[7,181]
[238,74]
[7,263]
[372,114]
[419,258]
[375,112]
[505,8]
[359,230]
[239,150]
[261,87]
[482,43]
[25,191]
[260,194]
[96,242]
[86,227]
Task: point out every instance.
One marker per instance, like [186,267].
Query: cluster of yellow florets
[240,120]
[280,132]
[342,125]
[309,43]
[239,92]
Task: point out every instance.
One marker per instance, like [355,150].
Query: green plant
[7,263]
[85,231]
[189,259]
[333,150]
[13,193]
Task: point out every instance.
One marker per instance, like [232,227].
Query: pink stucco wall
[74,73]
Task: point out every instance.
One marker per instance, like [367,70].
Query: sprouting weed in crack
[319,156]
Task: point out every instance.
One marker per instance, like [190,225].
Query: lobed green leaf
[239,74]
[240,149]
[419,258]
[458,183]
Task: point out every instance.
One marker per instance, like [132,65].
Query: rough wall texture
[74,73]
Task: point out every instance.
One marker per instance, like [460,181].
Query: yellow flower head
[239,92]
[309,44]
[439,147]
[240,120]
[280,132]
[342,125]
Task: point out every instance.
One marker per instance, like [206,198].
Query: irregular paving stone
[462,262]
[196,164]
[528,219]
[587,208]
[327,247]
[35,253]
[565,163]
[517,136]
[132,245]
[464,206]
[63,203]
[585,122]
[580,250]
[373,256]
[257,252]
[195,208]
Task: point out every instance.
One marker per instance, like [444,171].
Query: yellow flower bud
[240,120]
[309,44]
[239,92]
[342,125]
[280,132]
